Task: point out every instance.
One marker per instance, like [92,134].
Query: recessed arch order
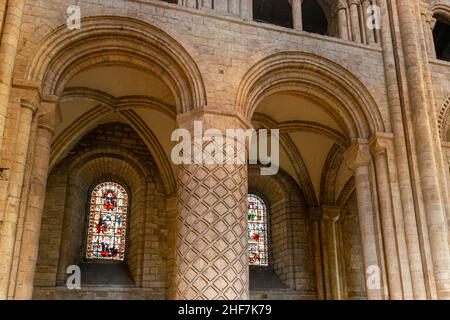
[318,79]
[116,41]
[108,40]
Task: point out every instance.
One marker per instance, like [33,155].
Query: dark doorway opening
[441,35]
[314,19]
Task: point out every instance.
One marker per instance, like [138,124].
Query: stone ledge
[98,293]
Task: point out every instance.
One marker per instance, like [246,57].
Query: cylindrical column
[9,226]
[358,159]
[330,216]
[401,149]
[354,19]
[297,14]
[315,216]
[234,7]
[436,218]
[35,206]
[387,221]
[424,16]
[431,25]
[8,48]
[342,20]
[211,249]
[247,10]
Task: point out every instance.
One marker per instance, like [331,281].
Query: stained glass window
[107,222]
[257,231]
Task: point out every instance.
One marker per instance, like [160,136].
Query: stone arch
[118,103]
[73,177]
[294,156]
[103,167]
[319,79]
[441,9]
[329,174]
[109,105]
[288,216]
[119,41]
[443,120]
[285,185]
[346,192]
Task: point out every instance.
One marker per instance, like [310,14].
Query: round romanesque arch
[441,9]
[319,79]
[290,250]
[117,41]
[123,42]
[86,122]
[329,176]
[91,162]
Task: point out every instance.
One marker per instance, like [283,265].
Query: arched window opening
[107,222]
[171,1]
[257,231]
[313,17]
[278,12]
[441,35]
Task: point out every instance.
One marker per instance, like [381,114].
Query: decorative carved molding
[310,75]
[346,192]
[443,120]
[303,126]
[329,174]
[64,54]
[71,135]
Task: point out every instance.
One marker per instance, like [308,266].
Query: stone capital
[29,96]
[357,155]
[380,142]
[212,119]
[27,104]
[330,213]
[49,116]
[432,21]
[342,5]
